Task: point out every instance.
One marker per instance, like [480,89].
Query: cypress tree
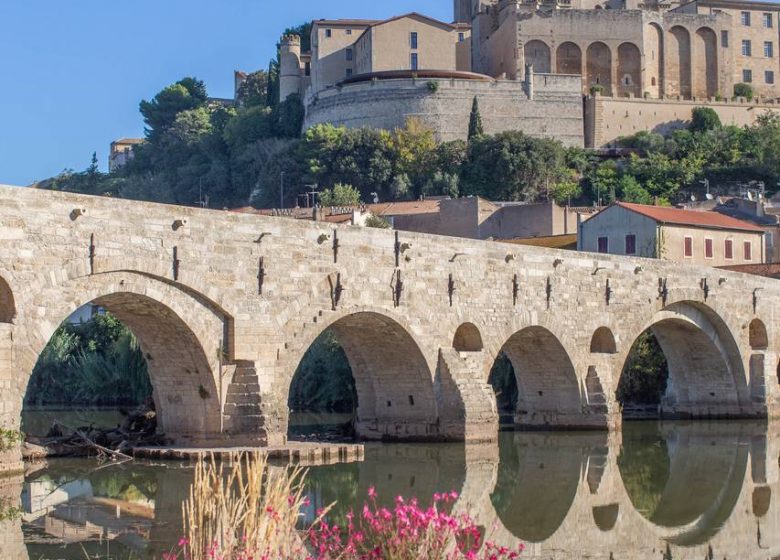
[475,120]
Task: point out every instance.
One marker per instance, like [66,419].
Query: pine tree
[475,121]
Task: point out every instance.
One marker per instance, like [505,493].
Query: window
[745,18]
[769,76]
[631,244]
[769,49]
[461,37]
[747,76]
[768,21]
[349,72]
[728,249]
[349,55]
[414,61]
[748,251]
[413,39]
[348,32]
[603,244]
[747,47]
[708,253]
[328,33]
[724,39]
[308,69]
[688,247]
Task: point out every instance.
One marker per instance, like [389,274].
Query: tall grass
[243,509]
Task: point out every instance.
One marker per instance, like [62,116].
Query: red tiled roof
[668,215]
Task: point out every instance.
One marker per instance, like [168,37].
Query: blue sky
[72,72]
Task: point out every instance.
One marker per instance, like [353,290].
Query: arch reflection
[687,478]
[538,476]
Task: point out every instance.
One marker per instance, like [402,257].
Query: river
[658,490]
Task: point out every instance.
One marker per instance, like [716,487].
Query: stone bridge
[225,305]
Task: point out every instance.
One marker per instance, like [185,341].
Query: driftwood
[111,443]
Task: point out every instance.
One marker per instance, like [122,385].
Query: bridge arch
[707,377]
[757,335]
[605,517]
[393,379]
[603,342]
[548,389]
[467,338]
[182,341]
[7,305]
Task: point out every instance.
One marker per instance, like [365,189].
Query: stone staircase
[243,414]
[596,397]
[467,406]
[300,337]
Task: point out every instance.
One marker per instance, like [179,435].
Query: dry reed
[244,508]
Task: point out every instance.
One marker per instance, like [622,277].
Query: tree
[603,181]
[631,191]
[287,117]
[475,120]
[414,154]
[249,125]
[704,119]
[513,166]
[160,113]
[743,90]
[565,190]
[253,91]
[340,195]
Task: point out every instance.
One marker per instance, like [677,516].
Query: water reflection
[702,490]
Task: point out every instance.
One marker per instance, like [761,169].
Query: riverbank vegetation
[94,363]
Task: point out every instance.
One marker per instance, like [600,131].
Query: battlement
[291,39]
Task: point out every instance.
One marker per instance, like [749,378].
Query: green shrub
[704,119]
[743,90]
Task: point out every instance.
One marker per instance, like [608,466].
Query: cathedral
[553,68]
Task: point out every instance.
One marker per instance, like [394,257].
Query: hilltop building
[640,65]
[121,151]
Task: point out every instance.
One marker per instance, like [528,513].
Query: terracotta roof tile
[668,215]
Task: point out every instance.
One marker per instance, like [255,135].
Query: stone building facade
[684,236]
[675,56]
[700,49]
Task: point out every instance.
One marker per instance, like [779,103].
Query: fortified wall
[609,118]
[550,108]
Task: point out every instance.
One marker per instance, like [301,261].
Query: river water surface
[658,490]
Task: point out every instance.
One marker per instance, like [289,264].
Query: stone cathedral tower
[462,11]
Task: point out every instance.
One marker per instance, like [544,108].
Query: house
[707,238]
[121,152]
[471,217]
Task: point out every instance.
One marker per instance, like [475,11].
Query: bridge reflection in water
[698,490]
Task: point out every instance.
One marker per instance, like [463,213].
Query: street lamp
[281,190]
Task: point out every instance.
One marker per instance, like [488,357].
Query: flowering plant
[408,531]
[248,511]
